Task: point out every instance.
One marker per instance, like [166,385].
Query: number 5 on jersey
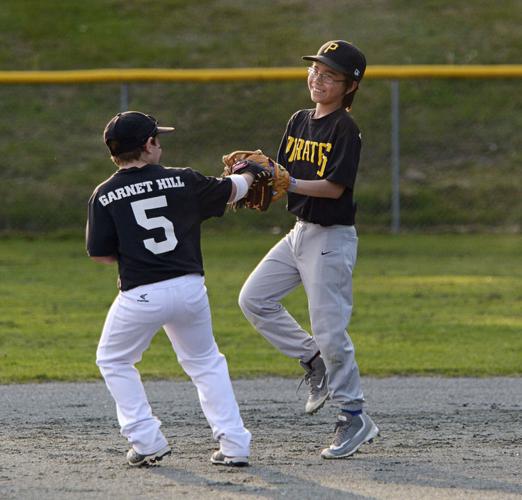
[139,209]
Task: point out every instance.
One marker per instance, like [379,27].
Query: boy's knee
[100,361]
[245,302]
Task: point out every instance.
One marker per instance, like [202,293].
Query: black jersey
[150,219]
[324,148]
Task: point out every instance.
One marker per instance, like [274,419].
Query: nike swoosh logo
[320,386]
[324,253]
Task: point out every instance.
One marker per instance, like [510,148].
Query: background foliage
[460,140]
[444,304]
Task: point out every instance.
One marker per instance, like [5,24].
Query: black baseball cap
[130,130]
[341,56]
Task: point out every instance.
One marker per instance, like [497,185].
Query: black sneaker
[317,380]
[351,432]
[218,458]
[135,459]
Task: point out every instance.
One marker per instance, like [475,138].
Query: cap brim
[327,61]
[165,130]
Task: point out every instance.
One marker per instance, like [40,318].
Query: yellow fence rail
[234,74]
[124,76]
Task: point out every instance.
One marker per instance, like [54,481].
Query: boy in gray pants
[320,148]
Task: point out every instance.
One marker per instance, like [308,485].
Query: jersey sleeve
[281,156]
[100,234]
[212,193]
[344,158]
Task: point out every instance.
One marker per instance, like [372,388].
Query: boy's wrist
[293,185]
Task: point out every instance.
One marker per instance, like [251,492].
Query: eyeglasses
[323,77]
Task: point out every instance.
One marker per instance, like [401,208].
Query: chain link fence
[457,158]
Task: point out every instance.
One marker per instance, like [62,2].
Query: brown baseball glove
[263,190]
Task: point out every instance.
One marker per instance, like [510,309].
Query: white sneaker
[218,458]
[135,459]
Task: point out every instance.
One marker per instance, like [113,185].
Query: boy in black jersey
[147,218]
[320,148]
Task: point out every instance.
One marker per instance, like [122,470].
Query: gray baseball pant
[322,259]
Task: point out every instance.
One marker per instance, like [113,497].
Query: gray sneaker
[218,458]
[316,378]
[351,432]
[135,459]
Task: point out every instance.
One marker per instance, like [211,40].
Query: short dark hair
[127,157]
[348,98]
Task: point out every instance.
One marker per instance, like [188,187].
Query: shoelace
[305,379]
[340,425]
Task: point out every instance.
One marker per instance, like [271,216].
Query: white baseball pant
[181,306]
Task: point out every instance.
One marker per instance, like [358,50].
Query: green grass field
[447,305]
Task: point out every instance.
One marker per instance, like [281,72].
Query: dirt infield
[440,438]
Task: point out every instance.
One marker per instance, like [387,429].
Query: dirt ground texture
[440,438]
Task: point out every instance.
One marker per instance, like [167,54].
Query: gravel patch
[440,438]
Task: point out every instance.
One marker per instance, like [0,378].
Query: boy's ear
[352,88]
[148,144]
